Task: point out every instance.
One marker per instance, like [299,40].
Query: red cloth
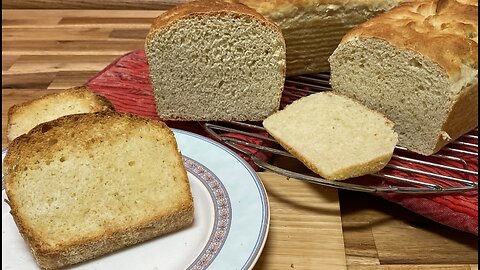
[126,84]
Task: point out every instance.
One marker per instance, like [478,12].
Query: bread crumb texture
[418,65]
[84,185]
[334,136]
[215,61]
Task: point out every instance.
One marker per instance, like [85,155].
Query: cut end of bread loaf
[23,117]
[334,136]
[418,65]
[410,89]
[215,61]
[85,185]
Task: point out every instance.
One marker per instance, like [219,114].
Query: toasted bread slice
[25,116]
[334,136]
[85,185]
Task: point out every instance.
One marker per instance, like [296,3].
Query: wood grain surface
[90,4]
[44,51]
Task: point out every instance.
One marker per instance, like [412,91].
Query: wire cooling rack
[453,169]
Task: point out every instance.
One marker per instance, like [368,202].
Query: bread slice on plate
[418,65]
[25,116]
[85,185]
[334,136]
[211,60]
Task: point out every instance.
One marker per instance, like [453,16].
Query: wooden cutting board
[305,223]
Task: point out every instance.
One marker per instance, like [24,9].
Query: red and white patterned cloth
[126,84]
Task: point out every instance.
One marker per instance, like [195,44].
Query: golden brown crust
[205,8]
[74,91]
[100,103]
[95,248]
[462,117]
[50,257]
[445,31]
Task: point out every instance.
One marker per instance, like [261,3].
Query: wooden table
[44,51]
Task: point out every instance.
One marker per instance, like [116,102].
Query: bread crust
[462,117]
[205,8]
[444,31]
[314,28]
[87,247]
[100,103]
[277,8]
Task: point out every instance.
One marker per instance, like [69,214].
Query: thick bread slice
[85,185]
[211,60]
[334,136]
[418,65]
[25,116]
[314,28]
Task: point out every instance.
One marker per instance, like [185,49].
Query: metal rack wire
[453,169]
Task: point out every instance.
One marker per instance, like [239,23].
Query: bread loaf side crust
[462,117]
[314,28]
[110,240]
[279,8]
[444,31]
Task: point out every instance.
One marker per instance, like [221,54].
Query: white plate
[230,228]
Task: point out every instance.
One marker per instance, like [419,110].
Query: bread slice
[334,136]
[25,116]
[211,60]
[418,65]
[314,28]
[85,185]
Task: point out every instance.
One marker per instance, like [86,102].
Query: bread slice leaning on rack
[211,60]
[418,65]
[25,116]
[314,28]
[85,185]
[334,136]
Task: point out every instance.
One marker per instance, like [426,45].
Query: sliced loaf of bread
[418,65]
[334,136]
[211,60]
[85,185]
[25,116]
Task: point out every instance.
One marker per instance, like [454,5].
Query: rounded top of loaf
[445,31]
[206,8]
[278,8]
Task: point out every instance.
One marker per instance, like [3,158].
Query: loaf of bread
[314,28]
[25,116]
[334,136]
[85,185]
[211,60]
[418,65]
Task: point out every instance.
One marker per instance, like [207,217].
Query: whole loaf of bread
[417,64]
